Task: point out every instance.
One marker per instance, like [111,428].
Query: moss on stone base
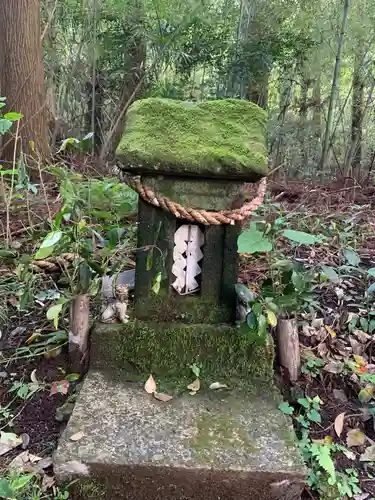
[140,348]
[182,309]
[221,138]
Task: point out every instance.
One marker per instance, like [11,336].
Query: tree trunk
[334,88]
[303,124]
[22,75]
[258,91]
[134,75]
[357,109]
[317,118]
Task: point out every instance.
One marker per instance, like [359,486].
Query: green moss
[220,432]
[90,489]
[184,309]
[221,138]
[168,351]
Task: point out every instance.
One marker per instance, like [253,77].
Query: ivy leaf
[351,257]
[330,273]
[303,402]
[5,125]
[12,116]
[314,416]
[251,320]
[286,408]
[21,481]
[301,237]
[252,241]
[6,491]
[371,272]
[243,292]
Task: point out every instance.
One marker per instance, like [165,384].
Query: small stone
[63,412]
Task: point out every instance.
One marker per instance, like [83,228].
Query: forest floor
[336,338]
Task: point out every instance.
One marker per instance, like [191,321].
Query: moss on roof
[222,138]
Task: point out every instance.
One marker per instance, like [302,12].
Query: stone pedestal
[228,444]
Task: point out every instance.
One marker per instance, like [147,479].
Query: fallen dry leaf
[368,455]
[217,385]
[33,337]
[339,423]
[60,387]
[360,360]
[44,463]
[19,463]
[355,437]
[366,394]
[150,385]
[350,454]
[8,441]
[47,482]
[194,386]
[330,331]
[334,367]
[77,436]
[362,336]
[366,415]
[340,395]
[25,440]
[162,397]
[326,440]
[357,347]
[13,301]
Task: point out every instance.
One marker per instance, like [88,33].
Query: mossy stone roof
[222,138]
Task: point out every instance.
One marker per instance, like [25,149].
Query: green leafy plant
[27,486]
[7,119]
[319,454]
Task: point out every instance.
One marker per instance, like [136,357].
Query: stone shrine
[189,163]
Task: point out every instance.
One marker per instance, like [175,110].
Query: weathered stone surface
[224,444]
[206,194]
[167,350]
[221,138]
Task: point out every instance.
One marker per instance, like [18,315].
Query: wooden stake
[288,347]
[79,333]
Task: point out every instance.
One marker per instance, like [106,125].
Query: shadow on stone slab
[157,483]
[214,445]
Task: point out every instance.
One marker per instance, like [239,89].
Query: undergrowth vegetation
[317,268]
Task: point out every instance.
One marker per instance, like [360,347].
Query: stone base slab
[216,445]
